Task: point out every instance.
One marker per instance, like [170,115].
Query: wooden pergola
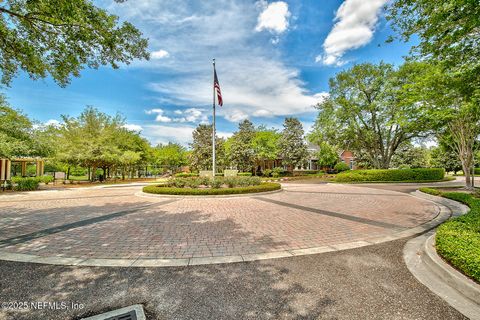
[6,167]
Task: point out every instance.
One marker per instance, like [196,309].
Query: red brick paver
[115,223]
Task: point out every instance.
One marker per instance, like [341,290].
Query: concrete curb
[429,268]
[241,195]
[443,214]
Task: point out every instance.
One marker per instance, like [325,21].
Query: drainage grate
[132,315]
[134,312]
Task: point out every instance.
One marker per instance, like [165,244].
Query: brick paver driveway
[117,222]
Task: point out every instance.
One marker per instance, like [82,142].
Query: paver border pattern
[443,214]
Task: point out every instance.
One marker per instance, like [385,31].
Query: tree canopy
[61,37]
[201,148]
[240,152]
[368,112]
[293,149]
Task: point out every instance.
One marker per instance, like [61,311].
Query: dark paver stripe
[46,232]
[69,198]
[350,193]
[385,225]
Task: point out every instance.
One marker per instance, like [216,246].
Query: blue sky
[274,59]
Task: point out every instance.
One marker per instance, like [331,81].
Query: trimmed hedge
[341,166]
[244,174]
[424,174]
[160,189]
[458,239]
[25,184]
[186,174]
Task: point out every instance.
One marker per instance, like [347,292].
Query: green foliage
[244,174]
[264,187]
[293,149]
[277,172]
[444,157]
[45,179]
[218,182]
[430,174]
[240,152]
[25,184]
[16,133]
[458,239]
[267,172]
[433,192]
[171,155]
[410,156]
[327,154]
[369,113]
[59,38]
[266,144]
[201,149]
[341,166]
[447,31]
[186,174]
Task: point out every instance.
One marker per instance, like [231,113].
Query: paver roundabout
[120,226]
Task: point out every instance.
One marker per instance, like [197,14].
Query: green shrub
[430,174]
[458,239]
[160,189]
[277,172]
[341,166]
[244,174]
[186,174]
[477,171]
[216,183]
[25,184]
[45,179]
[267,172]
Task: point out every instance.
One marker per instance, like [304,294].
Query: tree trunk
[68,173]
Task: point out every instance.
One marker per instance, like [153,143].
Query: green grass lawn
[458,239]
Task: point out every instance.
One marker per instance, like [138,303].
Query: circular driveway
[118,226]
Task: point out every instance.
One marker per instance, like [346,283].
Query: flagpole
[213,131]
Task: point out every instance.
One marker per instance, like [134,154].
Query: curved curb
[238,195]
[431,270]
[443,214]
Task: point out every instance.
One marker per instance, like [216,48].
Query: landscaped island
[458,239]
[208,186]
[392,175]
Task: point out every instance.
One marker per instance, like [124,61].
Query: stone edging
[429,268]
[443,214]
[238,195]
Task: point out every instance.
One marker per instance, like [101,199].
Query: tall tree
[448,36]
[241,153]
[265,144]
[366,113]
[293,148]
[61,37]
[171,155]
[18,137]
[447,31]
[411,156]
[201,148]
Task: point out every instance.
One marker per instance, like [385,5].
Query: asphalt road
[367,283]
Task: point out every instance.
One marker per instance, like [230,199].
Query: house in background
[348,158]
[345,156]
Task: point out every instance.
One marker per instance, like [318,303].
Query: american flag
[216,86]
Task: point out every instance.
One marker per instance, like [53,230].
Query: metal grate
[132,315]
[134,312]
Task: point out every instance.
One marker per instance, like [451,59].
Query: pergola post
[5,166]
[24,168]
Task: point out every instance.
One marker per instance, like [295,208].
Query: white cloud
[274,17]
[236,115]
[252,75]
[354,28]
[160,54]
[160,117]
[179,133]
[52,122]
[133,127]
[191,115]
[164,134]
